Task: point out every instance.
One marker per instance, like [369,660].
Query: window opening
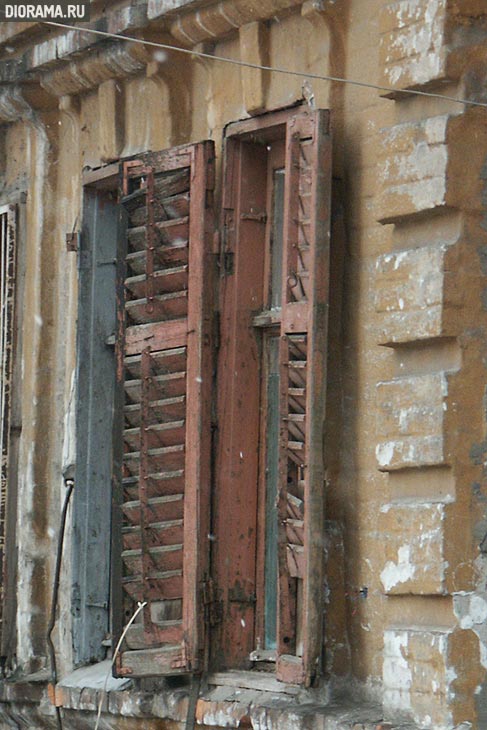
[269,334]
[276,237]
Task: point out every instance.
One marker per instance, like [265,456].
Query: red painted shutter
[302,399]
[165,373]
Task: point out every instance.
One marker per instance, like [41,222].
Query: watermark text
[28,12]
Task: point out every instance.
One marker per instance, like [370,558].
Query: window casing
[232,573]
[11,297]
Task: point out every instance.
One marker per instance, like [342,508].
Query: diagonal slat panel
[302,399]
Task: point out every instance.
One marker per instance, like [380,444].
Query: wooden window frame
[222,577]
[95,376]
[238,525]
[13,206]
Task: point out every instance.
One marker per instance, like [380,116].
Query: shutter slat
[173,335]
[161,434]
[158,483]
[163,385]
[169,361]
[170,632]
[171,305]
[164,372]
[161,557]
[169,532]
[166,408]
[172,233]
[166,280]
[158,586]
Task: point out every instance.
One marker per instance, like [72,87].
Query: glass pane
[276,238]
[272,457]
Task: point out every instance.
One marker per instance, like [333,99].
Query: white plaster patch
[450,677]
[400,572]
[435,128]
[221,718]
[478,609]
[425,161]
[396,674]
[424,194]
[418,42]
[470,608]
[69,442]
[384,453]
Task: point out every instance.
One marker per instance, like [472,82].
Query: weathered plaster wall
[30,147]
[430,417]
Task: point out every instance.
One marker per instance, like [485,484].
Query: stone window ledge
[228,699]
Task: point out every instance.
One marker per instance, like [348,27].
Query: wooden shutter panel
[165,373]
[302,397]
[8,246]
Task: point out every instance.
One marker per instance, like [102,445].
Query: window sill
[94,676]
[220,705]
[267,318]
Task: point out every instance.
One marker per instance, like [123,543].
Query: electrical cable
[55,593]
[272,69]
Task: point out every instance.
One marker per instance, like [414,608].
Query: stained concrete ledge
[96,676]
[25,704]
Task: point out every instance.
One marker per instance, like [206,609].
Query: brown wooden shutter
[8,246]
[302,399]
[165,372]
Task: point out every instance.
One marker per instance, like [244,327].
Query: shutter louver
[302,397]
[165,371]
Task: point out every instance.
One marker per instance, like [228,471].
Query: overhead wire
[271,69]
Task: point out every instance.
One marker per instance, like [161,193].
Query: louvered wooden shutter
[302,398]
[165,372]
[8,231]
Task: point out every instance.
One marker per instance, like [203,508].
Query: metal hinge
[72,241]
[213,606]
[237,594]
[228,257]
[216,330]
[254,215]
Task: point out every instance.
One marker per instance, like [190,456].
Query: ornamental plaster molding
[218,20]
[81,75]
[13,105]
